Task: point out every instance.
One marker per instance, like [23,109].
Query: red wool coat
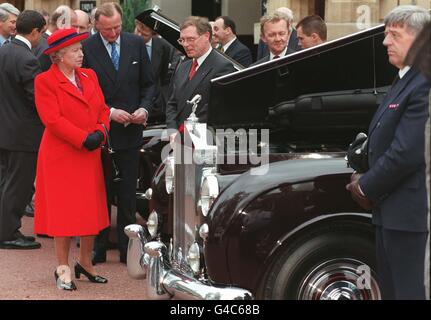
[70,192]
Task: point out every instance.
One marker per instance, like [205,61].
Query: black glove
[93,140]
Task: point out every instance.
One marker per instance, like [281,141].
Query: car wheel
[335,262]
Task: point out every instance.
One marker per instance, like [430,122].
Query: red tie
[193,69]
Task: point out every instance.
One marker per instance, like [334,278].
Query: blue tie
[149,51]
[114,56]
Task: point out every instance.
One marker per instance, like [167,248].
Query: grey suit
[177,109]
[20,134]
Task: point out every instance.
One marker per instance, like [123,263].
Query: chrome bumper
[148,260]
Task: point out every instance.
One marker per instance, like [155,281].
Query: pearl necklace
[71,79]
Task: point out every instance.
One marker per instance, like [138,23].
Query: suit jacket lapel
[231,47]
[71,89]
[125,61]
[104,59]
[394,92]
[191,86]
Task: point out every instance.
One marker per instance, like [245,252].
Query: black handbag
[110,168]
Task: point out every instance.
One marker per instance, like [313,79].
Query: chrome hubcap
[340,279]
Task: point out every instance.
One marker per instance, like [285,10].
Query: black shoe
[18,234]
[44,236]
[69,286]
[29,211]
[96,279]
[19,243]
[98,257]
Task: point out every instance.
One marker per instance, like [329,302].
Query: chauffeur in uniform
[394,186]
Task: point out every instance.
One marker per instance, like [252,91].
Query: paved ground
[29,274]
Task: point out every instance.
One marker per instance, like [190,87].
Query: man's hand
[139,116]
[121,116]
[356,192]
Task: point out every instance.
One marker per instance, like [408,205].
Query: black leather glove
[93,140]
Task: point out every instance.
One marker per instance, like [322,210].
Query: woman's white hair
[57,55]
[413,17]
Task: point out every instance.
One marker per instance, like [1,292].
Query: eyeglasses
[182,41]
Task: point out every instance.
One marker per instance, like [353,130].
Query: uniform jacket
[395,181]
[70,193]
[183,89]
[129,88]
[20,126]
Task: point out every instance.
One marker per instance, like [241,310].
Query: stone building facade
[342,16]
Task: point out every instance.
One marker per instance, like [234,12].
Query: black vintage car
[229,227]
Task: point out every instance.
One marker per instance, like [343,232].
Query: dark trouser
[17,174]
[401,264]
[125,191]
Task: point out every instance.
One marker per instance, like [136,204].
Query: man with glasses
[121,62]
[194,75]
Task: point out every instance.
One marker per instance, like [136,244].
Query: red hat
[63,38]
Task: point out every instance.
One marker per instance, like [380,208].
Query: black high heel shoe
[69,286]
[96,279]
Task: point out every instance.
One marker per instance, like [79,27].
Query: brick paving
[29,275]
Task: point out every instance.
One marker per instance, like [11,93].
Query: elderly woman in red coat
[70,193]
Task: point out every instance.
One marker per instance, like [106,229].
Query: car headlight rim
[209,192]
[169,175]
[153,224]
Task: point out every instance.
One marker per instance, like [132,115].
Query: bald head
[83,21]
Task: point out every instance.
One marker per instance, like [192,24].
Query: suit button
[370,151]
[378,124]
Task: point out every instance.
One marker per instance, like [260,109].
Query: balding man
[225,34]
[311,31]
[8,16]
[63,17]
[83,21]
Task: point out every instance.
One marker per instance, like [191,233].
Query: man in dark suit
[275,33]
[122,65]
[161,55]
[225,35]
[395,183]
[293,46]
[194,75]
[20,129]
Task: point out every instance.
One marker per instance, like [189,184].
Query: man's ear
[315,37]
[262,37]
